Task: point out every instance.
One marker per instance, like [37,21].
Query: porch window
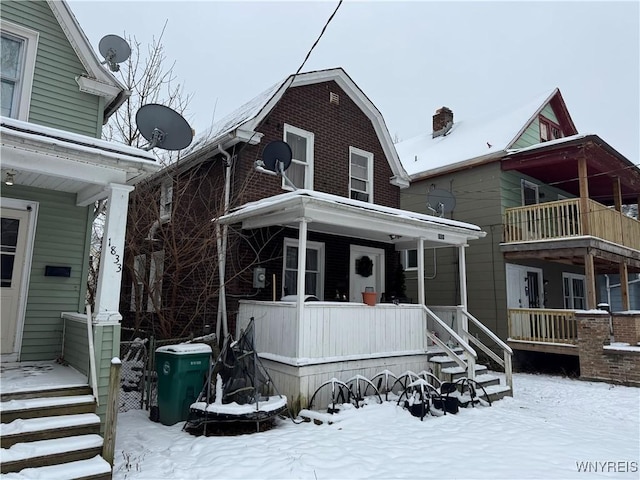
[156,271]
[137,285]
[301,170]
[530,194]
[314,275]
[16,69]
[573,286]
[409,259]
[166,199]
[360,175]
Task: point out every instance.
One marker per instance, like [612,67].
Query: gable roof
[99,80]
[240,124]
[471,142]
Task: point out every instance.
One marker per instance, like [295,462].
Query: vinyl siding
[56,100]
[106,339]
[62,230]
[531,135]
[511,191]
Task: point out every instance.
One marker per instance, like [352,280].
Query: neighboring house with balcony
[56,96]
[550,200]
[331,233]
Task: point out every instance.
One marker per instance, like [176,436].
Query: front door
[13,252]
[524,287]
[366,272]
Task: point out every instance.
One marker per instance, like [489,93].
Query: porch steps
[52,433]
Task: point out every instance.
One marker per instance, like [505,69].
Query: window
[530,195]
[574,291]
[17,65]
[301,170]
[360,175]
[166,199]
[409,259]
[137,285]
[156,270]
[314,276]
[549,130]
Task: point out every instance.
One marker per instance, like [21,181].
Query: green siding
[106,339]
[56,100]
[61,233]
[511,191]
[531,135]
[478,201]
[76,346]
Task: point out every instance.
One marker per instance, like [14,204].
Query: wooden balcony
[564,219]
[545,330]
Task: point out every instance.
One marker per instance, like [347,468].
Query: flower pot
[370,298]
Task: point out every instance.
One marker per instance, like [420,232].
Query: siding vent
[334,98]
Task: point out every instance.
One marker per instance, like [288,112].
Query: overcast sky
[409,58]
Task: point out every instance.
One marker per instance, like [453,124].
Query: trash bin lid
[185,348]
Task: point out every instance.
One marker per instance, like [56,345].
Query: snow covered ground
[554,428]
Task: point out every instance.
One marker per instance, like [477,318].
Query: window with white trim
[137,285]
[156,270]
[300,172]
[360,175]
[314,276]
[166,199]
[573,287]
[18,59]
[409,259]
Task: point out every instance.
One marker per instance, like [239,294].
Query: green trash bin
[182,371]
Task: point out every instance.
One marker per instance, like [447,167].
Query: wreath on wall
[364,266]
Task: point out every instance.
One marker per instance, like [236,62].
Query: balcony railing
[543,325]
[564,219]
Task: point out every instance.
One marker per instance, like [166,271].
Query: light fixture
[394,237]
[9,176]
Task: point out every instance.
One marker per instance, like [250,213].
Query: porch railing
[458,318]
[564,219]
[543,325]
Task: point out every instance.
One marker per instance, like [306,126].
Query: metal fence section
[138,378]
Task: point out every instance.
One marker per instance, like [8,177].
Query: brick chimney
[442,122]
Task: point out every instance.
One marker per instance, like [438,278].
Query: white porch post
[462,267]
[420,252]
[302,269]
[112,257]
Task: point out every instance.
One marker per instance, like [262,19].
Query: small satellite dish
[440,201]
[163,127]
[115,50]
[276,156]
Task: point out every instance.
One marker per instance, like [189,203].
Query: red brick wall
[626,328]
[598,363]
[335,129]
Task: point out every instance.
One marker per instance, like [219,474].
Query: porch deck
[37,376]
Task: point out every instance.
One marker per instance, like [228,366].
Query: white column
[112,256]
[462,319]
[420,252]
[302,269]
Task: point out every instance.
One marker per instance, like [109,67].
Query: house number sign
[116,258]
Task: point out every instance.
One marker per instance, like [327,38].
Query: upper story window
[530,193]
[301,170]
[549,130]
[166,199]
[360,175]
[19,45]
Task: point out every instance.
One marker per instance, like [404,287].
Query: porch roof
[54,159]
[337,215]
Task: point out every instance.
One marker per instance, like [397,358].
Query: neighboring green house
[550,201]
[56,96]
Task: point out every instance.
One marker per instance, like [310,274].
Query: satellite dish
[163,127]
[276,156]
[115,50]
[440,201]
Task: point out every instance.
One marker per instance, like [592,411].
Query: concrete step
[42,453]
[46,407]
[95,468]
[33,429]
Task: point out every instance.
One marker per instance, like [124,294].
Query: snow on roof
[328,198]
[550,143]
[107,148]
[467,140]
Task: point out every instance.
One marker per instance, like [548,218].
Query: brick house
[336,218]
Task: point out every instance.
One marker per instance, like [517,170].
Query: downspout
[221,242]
